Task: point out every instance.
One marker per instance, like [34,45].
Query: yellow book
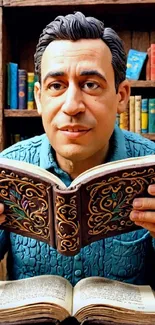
[30,90]
[144,115]
[124,119]
[138,99]
[132,113]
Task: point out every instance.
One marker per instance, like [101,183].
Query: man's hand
[2,216]
[143,213]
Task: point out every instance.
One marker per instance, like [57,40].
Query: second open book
[96,205]
[53,297]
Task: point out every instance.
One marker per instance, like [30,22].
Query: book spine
[148,64]
[152,61]
[30,90]
[124,119]
[151,115]
[13,85]
[8,85]
[67,220]
[144,115]
[22,84]
[132,113]
[138,99]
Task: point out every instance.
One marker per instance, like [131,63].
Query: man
[82,86]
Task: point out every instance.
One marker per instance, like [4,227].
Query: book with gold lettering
[95,300]
[96,205]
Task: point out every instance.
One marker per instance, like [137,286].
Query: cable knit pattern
[127,257]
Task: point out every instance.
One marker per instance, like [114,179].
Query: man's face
[77,98]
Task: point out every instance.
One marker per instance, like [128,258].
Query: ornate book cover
[96,205]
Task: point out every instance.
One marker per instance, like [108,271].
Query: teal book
[151,115]
[135,62]
[12,88]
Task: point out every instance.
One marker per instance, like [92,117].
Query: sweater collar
[117,148]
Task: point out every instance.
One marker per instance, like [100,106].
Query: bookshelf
[22,21]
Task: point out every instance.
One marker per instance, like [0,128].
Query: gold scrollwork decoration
[111,200]
[26,204]
[67,225]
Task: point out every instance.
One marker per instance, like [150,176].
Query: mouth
[75,128]
[74,132]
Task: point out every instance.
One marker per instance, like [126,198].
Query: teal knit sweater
[127,257]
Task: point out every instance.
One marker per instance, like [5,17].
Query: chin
[74,154]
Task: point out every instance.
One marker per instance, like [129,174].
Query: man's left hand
[143,213]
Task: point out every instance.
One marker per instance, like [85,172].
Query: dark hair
[76,26]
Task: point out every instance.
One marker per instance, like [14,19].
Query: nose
[73,103]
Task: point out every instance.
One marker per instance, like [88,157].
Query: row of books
[137,61]
[15,137]
[139,116]
[20,87]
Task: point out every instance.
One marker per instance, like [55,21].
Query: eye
[90,85]
[56,86]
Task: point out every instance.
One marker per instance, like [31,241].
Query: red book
[148,64]
[152,61]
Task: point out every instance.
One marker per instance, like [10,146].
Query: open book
[97,204]
[53,297]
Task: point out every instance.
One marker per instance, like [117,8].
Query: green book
[151,107]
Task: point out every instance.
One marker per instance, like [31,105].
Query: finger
[2,218]
[144,203]
[149,226]
[1,208]
[143,216]
[151,189]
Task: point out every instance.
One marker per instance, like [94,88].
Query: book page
[29,169]
[118,164]
[44,288]
[97,290]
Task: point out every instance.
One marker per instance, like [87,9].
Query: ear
[123,96]
[37,95]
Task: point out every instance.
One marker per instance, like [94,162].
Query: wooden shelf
[20,113]
[22,3]
[142,83]
[150,136]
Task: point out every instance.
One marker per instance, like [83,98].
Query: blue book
[22,89]
[12,85]
[135,61]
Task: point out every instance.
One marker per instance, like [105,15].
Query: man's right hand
[2,215]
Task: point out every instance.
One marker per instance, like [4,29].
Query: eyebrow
[53,74]
[83,73]
[93,73]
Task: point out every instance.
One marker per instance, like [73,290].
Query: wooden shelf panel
[22,3]
[142,83]
[150,136]
[20,113]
